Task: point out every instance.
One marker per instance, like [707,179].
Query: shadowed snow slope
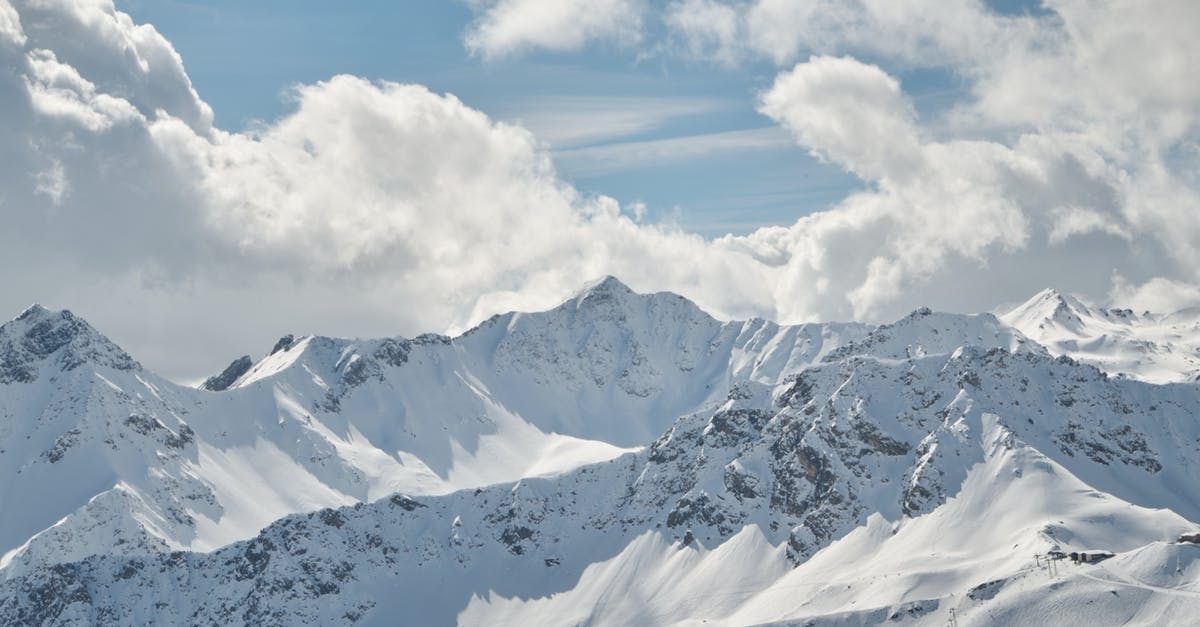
[821,474]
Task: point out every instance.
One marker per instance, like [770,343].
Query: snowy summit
[526,470]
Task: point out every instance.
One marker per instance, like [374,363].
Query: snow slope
[893,476]
[1159,348]
[99,455]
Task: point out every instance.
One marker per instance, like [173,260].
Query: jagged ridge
[803,435]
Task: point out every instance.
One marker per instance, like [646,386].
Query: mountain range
[623,459]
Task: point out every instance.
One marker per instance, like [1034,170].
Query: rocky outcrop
[221,382]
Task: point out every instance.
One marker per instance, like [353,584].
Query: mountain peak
[1049,307]
[607,294]
[1147,346]
[607,286]
[40,335]
[610,297]
[1063,300]
[34,312]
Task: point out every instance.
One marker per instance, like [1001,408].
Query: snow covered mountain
[688,471]
[97,454]
[1153,347]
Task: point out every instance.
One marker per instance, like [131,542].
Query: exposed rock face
[55,341]
[284,343]
[221,382]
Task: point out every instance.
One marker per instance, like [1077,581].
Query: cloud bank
[377,208]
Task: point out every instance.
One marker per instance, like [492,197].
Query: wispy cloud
[616,157]
[567,122]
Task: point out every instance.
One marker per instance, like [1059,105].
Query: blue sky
[243,56]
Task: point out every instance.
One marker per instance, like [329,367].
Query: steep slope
[79,417]
[969,555]
[1159,348]
[607,365]
[99,455]
[914,471]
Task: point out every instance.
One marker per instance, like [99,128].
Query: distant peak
[607,285]
[1059,299]
[34,312]
[608,290]
[39,335]
[1045,301]
[37,315]
[609,298]
[1049,306]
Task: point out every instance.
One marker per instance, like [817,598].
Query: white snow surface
[1155,347]
[92,446]
[623,459]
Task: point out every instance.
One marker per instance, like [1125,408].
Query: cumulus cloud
[129,61]
[395,185]
[372,208]
[1064,158]
[938,212]
[506,27]
[847,112]
[1156,295]
[377,208]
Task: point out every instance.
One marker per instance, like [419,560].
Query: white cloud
[847,112]
[57,90]
[379,208]
[706,28]
[941,214]
[11,33]
[1099,67]
[1157,295]
[1088,110]
[52,182]
[417,194]
[919,32]
[1072,221]
[126,60]
[373,208]
[506,27]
